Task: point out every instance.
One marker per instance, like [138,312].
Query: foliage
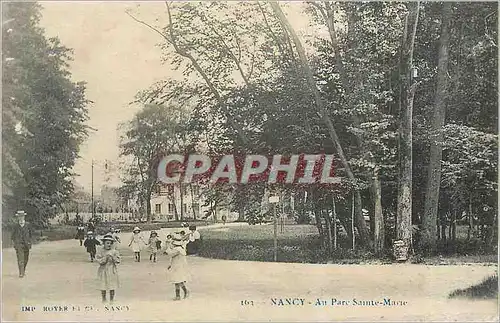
[44,115]
[155,131]
[247,94]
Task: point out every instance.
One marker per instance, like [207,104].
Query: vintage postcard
[260,161]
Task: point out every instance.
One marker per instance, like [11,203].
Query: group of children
[108,258]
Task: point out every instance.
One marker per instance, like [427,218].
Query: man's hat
[108,237]
[21,213]
[154,232]
[136,229]
[90,233]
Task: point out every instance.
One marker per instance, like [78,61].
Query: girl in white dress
[135,243]
[178,268]
[107,273]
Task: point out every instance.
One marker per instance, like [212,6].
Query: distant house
[170,202]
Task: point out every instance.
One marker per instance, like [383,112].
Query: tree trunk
[404,207]
[429,234]
[438,226]
[450,215]
[471,219]
[192,200]
[319,223]
[334,213]
[176,214]
[181,191]
[454,226]
[378,218]
[241,215]
[346,223]
[215,211]
[361,224]
[443,231]
[352,224]
[148,210]
[329,232]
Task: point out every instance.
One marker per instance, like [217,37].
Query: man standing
[21,236]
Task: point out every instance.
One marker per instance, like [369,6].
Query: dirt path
[60,274]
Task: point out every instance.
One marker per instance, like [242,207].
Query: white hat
[108,237]
[20,213]
[136,229]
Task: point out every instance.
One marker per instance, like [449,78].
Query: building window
[170,189]
[158,208]
[158,189]
[170,208]
[184,190]
[184,206]
[196,190]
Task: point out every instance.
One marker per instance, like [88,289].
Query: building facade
[185,201]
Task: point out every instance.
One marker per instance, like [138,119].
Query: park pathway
[59,274]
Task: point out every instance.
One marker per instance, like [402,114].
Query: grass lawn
[301,244]
[260,232]
[297,243]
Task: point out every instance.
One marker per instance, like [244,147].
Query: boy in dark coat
[90,243]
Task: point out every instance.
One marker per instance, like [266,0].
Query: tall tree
[154,131]
[360,222]
[408,89]
[429,220]
[44,115]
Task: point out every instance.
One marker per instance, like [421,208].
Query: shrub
[487,289]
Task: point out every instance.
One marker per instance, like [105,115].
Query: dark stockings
[177,291]
[184,289]
[111,295]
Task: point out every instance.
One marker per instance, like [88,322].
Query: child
[116,237]
[90,243]
[80,233]
[152,246]
[135,243]
[108,258]
[177,269]
[168,244]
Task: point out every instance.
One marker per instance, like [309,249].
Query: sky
[117,57]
